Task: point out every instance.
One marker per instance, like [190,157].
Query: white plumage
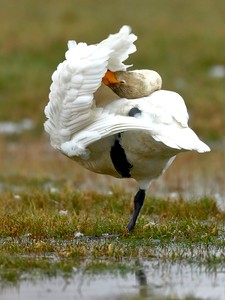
[133,136]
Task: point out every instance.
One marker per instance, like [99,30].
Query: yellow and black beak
[110,78]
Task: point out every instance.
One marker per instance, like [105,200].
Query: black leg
[138,202]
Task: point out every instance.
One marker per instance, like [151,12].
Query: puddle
[151,280]
[16,128]
[217,71]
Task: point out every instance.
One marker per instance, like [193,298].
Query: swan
[138,129]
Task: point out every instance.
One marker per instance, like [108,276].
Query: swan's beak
[110,78]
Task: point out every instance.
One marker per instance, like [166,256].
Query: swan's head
[133,84]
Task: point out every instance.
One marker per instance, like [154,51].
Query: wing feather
[71,106]
[74,121]
[164,117]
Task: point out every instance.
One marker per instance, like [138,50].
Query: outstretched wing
[74,122]
[71,106]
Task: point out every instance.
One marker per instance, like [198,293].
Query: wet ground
[150,280]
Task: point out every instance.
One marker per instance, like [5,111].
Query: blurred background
[182,40]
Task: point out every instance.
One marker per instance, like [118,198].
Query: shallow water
[151,280]
[9,127]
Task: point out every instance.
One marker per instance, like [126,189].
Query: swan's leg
[138,203]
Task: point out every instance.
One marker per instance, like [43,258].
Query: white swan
[136,133]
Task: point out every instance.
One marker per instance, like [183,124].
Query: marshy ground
[47,203]
[62,227]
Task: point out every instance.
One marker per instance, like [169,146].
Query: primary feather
[71,106]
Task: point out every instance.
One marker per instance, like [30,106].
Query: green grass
[38,213]
[36,239]
[179,40]
[33,232]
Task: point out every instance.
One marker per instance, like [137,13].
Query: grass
[180,41]
[44,217]
[36,235]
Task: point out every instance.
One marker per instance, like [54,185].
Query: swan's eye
[122,81]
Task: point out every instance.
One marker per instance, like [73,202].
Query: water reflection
[150,280]
[142,282]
